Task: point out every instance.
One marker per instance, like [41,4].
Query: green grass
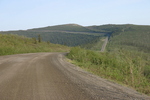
[14,44]
[124,67]
[96,44]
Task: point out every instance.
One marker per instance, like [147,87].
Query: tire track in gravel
[47,76]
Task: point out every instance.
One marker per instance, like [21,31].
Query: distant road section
[47,76]
[104,45]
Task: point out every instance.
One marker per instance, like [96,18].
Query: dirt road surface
[104,45]
[47,76]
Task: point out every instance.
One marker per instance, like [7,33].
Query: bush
[122,67]
[147,71]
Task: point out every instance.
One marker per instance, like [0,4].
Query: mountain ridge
[63,27]
[72,24]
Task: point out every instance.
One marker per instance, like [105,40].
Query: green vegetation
[129,37]
[121,66]
[69,34]
[110,28]
[39,38]
[120,36]
[127,56]
[62,38]
[95,45]
[14,44]
[65,27]
[133,37]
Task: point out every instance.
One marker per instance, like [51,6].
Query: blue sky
[26,14]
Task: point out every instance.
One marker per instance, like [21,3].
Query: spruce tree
[39,38]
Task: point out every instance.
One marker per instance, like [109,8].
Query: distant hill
[63,28]
[128,36]
[68,34]
[109,27]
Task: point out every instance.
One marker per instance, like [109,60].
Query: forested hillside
[128,36]
[69,39]
[69,34]
[65,27]
[131,37]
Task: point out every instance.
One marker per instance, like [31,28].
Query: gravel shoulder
[48,76]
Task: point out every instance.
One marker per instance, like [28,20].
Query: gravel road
[104,45]
[47,76]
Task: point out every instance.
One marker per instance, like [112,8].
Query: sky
[27,14]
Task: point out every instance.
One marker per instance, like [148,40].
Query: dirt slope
[47,76]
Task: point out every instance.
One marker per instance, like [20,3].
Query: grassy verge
[123,67]
[14,44]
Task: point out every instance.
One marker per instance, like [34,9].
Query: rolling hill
[128,36]
[68,34]
[63,28]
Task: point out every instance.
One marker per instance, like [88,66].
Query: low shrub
[119,66]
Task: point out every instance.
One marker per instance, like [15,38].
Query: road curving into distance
[47,76]
[104,44]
